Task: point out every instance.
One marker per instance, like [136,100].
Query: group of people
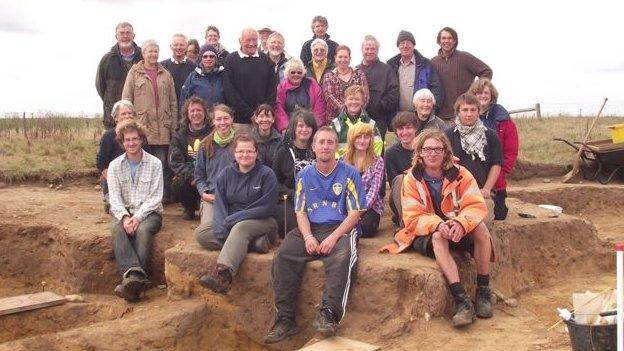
[272,150]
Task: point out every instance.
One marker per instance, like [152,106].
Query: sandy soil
[76,209]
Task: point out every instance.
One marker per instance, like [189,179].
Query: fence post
[24,127]
[538,110]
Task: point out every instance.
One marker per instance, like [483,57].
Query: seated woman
[246,193]
[339,79]
[352,113]
[424,102]
[109,147]
[292,156]
[298,91]
[496,118]
[360,155]
[185,144]
[267,138]
[213,156]
[206,81]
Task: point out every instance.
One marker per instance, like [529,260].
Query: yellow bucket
[617,133]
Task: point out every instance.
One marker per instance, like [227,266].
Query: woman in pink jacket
[298,91]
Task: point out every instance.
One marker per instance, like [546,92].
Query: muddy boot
[325,322]
[282,329]
[464,311]
[219,281]
[483,302]
[130,288]
[188,215]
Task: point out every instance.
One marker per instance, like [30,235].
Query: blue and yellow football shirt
[327,199]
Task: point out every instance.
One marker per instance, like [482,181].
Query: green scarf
[224,141]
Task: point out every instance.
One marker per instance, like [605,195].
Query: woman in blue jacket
[246,193]
[206,81]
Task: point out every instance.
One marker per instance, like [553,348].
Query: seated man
[329,199]
[443,210]
[135,185]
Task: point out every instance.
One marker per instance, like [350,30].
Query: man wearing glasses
[135,185]
[443,210]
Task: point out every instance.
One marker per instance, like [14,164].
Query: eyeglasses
[432,150]
[127,140]
[209,56]
[296,72]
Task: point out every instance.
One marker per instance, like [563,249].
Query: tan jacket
[159,124]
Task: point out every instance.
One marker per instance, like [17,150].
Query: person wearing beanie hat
[206,80]
[405,35]
[415,72]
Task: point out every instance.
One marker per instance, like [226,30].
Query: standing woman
[149,86]
[246,197]
[206,81]
[185,144]
[360,155]
[266,137]
[339,79]
[298,91]
[293,155]
[496,118]
[212,157]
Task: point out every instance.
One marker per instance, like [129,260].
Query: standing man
[264,37]
[457,70]
[135,184]
[329,199]
[383,85]
[113,69]
[415,72]
[319,28]
[178,65]
[249,78]
[212,38]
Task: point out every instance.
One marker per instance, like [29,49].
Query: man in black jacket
[113,68]
[383,85]
[319,28]
[178,65]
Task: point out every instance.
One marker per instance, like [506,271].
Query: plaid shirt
[372,179]
[139,197]
[334,88]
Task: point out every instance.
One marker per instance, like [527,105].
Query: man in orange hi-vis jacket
[443,210]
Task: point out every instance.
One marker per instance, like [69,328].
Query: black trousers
[500,208]
[187,194]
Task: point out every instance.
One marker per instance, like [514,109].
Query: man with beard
[113,69]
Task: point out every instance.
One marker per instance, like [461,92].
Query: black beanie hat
[405,35]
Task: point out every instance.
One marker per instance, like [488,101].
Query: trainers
[325,322]
[188,215]
[219,280]
[464,311]
[282,329]
[260,245]
[130,288]
[483,302]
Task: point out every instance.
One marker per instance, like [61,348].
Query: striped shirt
[139,197]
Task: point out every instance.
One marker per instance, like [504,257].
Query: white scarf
[473,139]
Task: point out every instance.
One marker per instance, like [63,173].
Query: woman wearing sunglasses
[206,81]
[298,91]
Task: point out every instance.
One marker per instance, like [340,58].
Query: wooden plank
[338,343]
[28,302]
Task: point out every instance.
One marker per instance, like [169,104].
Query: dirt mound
[525,170]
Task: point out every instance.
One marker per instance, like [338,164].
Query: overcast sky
[566,55]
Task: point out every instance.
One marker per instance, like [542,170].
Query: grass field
[58,144]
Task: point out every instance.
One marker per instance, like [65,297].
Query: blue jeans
[132,252]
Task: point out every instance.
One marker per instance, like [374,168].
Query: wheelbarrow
[601,160]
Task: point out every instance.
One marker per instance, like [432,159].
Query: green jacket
[341,125]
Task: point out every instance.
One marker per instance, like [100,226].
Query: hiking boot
[131,287]
[219,280]
[483,302]
[188,215]
[325,322]
[260,245]
[282,329]
[464,311]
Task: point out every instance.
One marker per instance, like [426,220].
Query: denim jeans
[132,252]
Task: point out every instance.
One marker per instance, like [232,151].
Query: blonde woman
[360,154]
